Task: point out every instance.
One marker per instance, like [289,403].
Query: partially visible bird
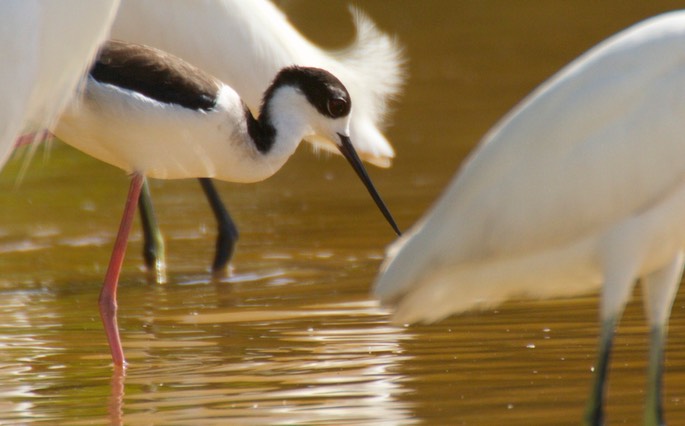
[580,187]
[153,114]
[244,44]
[46,48]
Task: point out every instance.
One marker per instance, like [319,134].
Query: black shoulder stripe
[155,74]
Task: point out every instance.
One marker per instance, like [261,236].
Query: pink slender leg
[108,294]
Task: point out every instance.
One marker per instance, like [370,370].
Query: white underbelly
[163,141]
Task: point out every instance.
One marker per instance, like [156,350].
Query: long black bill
[348,151]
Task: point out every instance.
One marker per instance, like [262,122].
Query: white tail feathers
[377,57]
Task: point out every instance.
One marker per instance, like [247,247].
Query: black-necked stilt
[580,186]
[212,34]
[153,114]
[46,49]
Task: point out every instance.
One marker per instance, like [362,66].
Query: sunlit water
[292,337]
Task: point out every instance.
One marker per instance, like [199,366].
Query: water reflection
[116,399]
[338,369]
[207,353]
[340,364]
[305,364]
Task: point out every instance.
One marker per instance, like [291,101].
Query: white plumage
[113,114]
[582,185]
[595,147]
[245,43]
[46,48]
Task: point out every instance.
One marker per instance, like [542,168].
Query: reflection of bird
[152,114]
[46,48]
[245,43]
[583,183]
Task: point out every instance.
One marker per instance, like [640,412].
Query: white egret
[46,49]
[580,187]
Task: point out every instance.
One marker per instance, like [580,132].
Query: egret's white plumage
[46,48]
[245,43]
[595,148]
[582,185]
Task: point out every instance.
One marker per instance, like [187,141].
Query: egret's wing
[46,49]
[19,70]
[599,142]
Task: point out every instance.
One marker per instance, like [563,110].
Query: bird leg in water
[594,413]
[108,294]
[654,415]
[153,241]
[227,232]
[658,292]
[153,245]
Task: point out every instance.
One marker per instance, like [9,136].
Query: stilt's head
[323,108]
[311,98]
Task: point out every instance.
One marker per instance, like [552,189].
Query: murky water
[292,336]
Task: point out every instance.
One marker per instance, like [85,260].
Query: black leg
[654,414]
[594,413]
[227,231]
[153,244]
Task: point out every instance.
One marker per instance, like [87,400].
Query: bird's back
[144,110]
[596,145]
[155,74]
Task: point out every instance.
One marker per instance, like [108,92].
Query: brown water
[293,337]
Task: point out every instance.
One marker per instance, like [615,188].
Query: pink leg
[30,138]
[108,294]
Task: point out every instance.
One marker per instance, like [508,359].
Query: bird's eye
[337,107]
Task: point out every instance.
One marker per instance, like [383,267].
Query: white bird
[580,187]
[46,49]
[244,44]
[153,114]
